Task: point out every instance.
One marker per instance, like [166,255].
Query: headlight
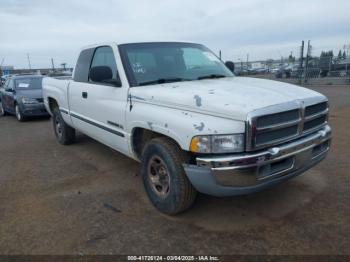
[26,100]
[217,144]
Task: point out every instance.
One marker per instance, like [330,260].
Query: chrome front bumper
[243,173]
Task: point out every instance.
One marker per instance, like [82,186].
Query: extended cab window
[81,71]
[104,56]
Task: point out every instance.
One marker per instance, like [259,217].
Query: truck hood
[231,97]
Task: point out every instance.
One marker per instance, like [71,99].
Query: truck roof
[135,42]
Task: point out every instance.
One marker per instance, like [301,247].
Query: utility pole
[307,61]
[240,60]
[247,60]
[346,47]
[282,59]
[2,62]
[220,54]
[30,66]
[53,64]
[301,61]
[329,64]
[64,66]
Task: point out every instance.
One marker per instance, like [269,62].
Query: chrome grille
[278,118]
[315,116]
[275,135]
[309,125]
[315,109]
[280,123]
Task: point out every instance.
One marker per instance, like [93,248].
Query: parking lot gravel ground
[88,199]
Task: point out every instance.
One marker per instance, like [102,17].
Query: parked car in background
[239,71]
[3,79]
[274,70]
[283,72]
[21,95]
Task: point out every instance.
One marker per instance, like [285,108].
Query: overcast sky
[264,29]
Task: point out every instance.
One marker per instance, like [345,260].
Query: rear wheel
[2,110]
[164,178]
[64,133]
[19,115]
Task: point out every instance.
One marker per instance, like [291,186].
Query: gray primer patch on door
[199,127]
[198,100]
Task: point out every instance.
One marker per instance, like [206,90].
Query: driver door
[98,108]
[8,101]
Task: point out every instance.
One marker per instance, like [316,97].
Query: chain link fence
[324,70]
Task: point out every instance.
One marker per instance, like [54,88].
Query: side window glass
[104,57]
[6,83]
[10,85]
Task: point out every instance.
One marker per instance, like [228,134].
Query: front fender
[180,125]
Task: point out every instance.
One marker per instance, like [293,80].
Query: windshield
[29,83]
[156,63]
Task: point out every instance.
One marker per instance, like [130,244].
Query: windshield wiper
[211,76]
[163,81]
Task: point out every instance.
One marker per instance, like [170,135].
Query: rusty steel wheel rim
[58,127]
[158,177]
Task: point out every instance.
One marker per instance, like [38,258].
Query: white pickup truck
[195,127]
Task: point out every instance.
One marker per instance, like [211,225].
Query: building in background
[6,70]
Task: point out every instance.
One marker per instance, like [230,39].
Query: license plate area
[276,168]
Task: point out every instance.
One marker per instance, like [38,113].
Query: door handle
[84,94]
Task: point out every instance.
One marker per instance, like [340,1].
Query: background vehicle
[192,124]
[22,95]
[283,72]
[3,79]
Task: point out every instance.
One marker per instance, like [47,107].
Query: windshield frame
[127,66]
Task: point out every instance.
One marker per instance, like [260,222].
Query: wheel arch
[52,104]
[141,135]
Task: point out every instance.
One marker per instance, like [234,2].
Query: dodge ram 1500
[194,126]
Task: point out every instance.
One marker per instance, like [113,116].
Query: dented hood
[231,97]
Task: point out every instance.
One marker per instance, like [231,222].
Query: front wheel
[2,110]
[19,115]
[64,133]
[164,178]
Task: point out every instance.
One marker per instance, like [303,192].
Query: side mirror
[230,65]
[103,74]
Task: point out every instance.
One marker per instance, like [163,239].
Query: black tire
[64,133]
[180,194]
[2,110]
[19,115]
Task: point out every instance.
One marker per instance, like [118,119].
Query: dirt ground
[87,199]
